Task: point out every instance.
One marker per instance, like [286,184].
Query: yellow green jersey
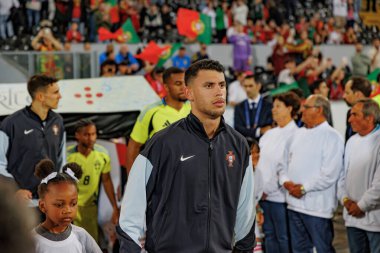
[94,165]
[156,117]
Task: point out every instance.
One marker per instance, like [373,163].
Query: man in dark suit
[253,116]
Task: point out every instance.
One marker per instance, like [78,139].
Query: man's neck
[316,123]
[254,97]
[41,111]
[174,103]
[210,125]
[83,150]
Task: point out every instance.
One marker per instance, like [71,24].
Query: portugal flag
[113,11]
[125,34]
[152,52]
[167,54]
[192,24]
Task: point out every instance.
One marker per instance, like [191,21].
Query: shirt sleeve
[246,213]
[90,245]
[140,132]
[341,187]
[107,165]
[371,198]
[131,230]
[4,145]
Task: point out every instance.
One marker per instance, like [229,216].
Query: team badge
[97,165]
[55,129]
[230,158]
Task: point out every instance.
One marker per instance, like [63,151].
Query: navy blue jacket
[194,194]
[240,119]
[25,140]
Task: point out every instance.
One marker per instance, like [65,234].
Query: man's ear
[189,93]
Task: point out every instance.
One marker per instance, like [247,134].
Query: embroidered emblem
[230,158]
[55,129]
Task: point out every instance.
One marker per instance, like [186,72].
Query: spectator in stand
[236,92]
[168,21]
[340,12]
[257,12]
[240,12]
[361,63]
[320,87]
[241,49]
[336,82]
[286,76]
[73,35]
[155,79]
[181,60]
[103,56]
[125,56]
[279,55]
[374,54]
[6,26]
[45,41]
[350,37]
[222,21]
[33,8]
[108,68]
[153,23]
[201,54]
[209,10]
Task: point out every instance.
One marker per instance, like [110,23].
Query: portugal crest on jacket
[230,158]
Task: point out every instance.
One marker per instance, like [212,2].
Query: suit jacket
[240,119]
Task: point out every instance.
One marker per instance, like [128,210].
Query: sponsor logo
[186,158]
[230,158]
[26,132]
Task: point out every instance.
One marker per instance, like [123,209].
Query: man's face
[207,94]
[60,205]
[358,121]
[181,52]
[50,96]
[176,87]
[251,88]
[310,112]
[86,136]
[349,95]
[124,49]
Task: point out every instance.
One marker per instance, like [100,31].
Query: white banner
[95,95]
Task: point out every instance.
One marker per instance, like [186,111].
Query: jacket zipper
[210,148]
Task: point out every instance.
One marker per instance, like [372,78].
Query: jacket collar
[35,116]
[197,126]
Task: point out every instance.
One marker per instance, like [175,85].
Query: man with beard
[96,165]
[356,88]
[160,115]
[192,187]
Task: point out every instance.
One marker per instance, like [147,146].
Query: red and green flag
[284,88]
[125,34]
[372,77]
[152,52]
[193,24]
[113,11]
[168,53]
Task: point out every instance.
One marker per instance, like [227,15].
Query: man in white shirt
[359,184]
[309,173]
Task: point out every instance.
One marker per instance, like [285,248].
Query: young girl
[58,201]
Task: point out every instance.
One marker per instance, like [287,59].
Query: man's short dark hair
[255,77]
[361,84]
[39,82]
[169,72]
[205,64]
[83,123]
[316,85]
